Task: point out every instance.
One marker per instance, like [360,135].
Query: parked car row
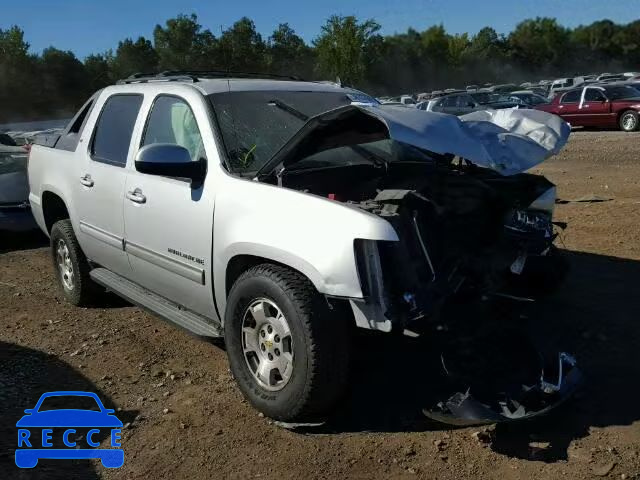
[542,88]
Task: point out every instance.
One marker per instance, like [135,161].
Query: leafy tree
[98,70]
[55,82]
[288,54]
[64,79]
[132,57]
[18,76]
[242,48]
[342,47]
[539,44]
[182,44]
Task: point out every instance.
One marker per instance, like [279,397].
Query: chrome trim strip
[102,235]
[178,267]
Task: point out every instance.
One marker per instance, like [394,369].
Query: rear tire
[71,266]
[629,121]
[312,337]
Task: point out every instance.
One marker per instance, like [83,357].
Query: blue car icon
[32,446]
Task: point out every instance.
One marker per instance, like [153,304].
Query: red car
[604,106]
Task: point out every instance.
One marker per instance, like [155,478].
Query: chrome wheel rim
[267,344]
[65,266]
[629,122]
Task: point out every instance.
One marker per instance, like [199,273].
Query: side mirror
[29,411]
[170,160]
[109,410]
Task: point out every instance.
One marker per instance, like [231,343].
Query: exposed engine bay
[470,238]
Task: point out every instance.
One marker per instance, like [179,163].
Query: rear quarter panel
[54,171]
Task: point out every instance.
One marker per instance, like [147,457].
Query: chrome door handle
[86,180]
[136,196]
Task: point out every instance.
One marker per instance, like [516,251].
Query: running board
[156,304]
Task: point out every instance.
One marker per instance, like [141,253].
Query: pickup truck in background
[601,106]
[281,214]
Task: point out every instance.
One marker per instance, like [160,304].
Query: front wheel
[287,351]
[629,121]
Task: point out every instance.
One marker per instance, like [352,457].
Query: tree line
[54,83]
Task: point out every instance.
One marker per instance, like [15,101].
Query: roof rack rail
[195,75]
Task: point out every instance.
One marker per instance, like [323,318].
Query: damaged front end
[475,243]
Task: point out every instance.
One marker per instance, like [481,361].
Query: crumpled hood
[508,141]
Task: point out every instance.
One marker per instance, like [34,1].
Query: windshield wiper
[289,109]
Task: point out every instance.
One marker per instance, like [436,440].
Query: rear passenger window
[114,129]
[172,121]
[572,97]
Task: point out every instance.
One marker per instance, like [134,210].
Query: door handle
[136,196]
[86,180]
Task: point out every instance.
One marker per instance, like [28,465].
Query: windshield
[256,124]
[529,98]
[377,153]
[618,93]
[486,97]
[66,402]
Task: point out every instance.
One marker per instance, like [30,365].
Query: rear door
[100,186]
[169,221]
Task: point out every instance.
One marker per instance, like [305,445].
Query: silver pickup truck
[280,214]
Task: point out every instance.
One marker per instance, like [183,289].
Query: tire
[629,121]
[318,344]
[71,266]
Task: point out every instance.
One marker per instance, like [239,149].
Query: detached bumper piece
[462,409]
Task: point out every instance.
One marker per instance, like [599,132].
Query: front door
[597,109]
[100,184]
[169,221]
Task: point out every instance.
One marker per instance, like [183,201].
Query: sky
[93,26]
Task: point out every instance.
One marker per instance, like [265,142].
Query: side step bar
[156,304]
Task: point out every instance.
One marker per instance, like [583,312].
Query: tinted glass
[172,121]
[464,101]
[114,129]
[65,402]
[593,95]
[256,124]
[618,93]
[451,101]
[572,96]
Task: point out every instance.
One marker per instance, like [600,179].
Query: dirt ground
[185,418]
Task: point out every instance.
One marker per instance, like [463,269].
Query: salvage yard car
[15,213]
[602,106]
[279,214]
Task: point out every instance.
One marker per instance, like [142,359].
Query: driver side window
[594,95]
[172,121]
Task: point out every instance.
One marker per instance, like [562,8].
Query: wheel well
[53,209]
[241,263]
[627,110]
